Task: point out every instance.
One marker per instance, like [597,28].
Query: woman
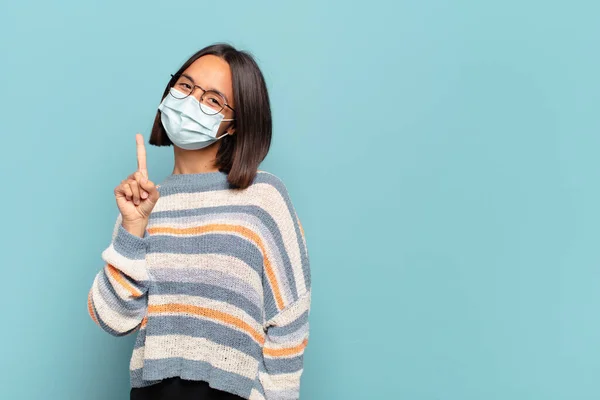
[211,267]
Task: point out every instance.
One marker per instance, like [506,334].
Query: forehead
[212,72]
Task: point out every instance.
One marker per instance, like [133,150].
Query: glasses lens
[183,88]
[213,101]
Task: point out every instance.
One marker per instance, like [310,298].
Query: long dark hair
[240,154]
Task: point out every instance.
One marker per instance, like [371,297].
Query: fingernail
[144,195]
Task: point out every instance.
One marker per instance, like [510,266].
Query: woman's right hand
[136,196]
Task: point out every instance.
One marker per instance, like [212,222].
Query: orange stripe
[116,274]
[144,322]
[230,228]
[285,352]
[91,308]
[209,313]
[300,226]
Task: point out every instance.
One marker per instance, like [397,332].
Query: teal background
[442,156]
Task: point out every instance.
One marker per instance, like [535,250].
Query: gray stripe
[284,365]
[193,183]
[129,246]
[160,325]
[228,245]
[129,308]
[136,379]
[140,340]
[291,327]
[270,306]
[198,371]
[217,278]
[294,337]
[209,291]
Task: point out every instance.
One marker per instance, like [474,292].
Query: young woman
[210,267]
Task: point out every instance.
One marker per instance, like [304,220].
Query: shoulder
[264,177]
[272,193]
[272,183]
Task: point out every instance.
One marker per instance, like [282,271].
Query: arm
[287,284]
[283,353]
[118,298]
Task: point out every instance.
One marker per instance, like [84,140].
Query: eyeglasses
[214,101]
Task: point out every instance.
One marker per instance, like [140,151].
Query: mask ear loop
[226,133]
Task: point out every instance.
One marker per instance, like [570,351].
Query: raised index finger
[141,155]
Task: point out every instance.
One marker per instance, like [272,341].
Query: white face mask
[186,125]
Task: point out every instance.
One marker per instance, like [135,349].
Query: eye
[185,86]
[213,99]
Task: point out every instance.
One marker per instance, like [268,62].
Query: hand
[136,196]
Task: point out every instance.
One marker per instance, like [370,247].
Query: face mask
[186,125]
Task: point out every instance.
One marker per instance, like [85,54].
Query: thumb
[151,188]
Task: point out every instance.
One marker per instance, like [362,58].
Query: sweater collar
[195,182]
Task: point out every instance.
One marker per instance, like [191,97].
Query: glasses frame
[174,81]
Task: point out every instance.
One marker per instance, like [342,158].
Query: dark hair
[240,154]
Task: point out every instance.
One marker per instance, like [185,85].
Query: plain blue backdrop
[442,155]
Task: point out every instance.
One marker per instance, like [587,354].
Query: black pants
[180,389]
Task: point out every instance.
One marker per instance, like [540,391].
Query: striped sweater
[218,289]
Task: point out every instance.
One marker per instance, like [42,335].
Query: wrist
[135,228]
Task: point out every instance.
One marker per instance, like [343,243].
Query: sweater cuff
[129,245]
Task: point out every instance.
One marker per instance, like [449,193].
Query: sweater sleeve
[283,353]
[287,284]
[118,298]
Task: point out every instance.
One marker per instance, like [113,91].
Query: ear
[231,130]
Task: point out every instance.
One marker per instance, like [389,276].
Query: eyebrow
[207,88]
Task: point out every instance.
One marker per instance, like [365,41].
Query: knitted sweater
[218,289]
